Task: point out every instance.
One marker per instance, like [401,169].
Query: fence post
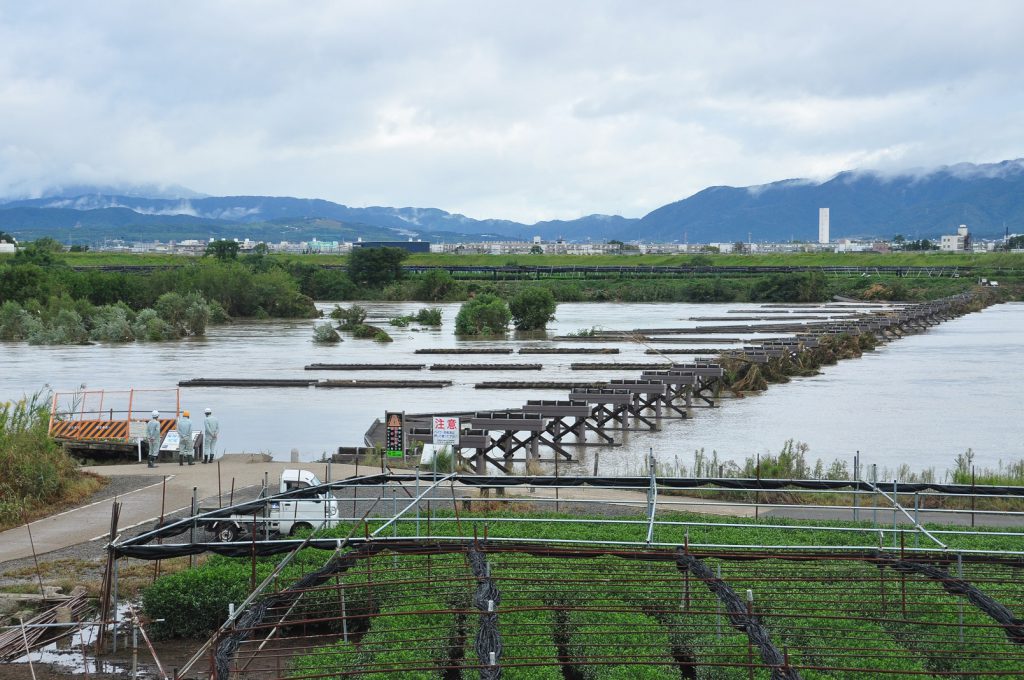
[856,487]
[718,605]
[960,604]
[750,644]
[192,529]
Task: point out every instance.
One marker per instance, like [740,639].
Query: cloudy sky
[523,110]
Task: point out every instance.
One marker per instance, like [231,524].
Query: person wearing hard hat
[185,450]
[211,429]
[153,438]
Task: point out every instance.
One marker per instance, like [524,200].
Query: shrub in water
[15,322]
[532,309]
[149,327]
[429,316]
[485,314]
[66,328]
[436,284]
[350,317]
[197,314]
[366,332]
[325,333]
[112,323]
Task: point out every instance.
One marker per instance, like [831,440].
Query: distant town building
[960,242]
[411,246]
[6,247]
[823,225]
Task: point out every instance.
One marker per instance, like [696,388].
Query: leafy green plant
[485,314]
[37,475]
[195,601]
[350,317]
[435,285]
[429,316]
[324,333]
[532,309]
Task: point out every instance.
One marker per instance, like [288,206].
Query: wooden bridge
[593,414]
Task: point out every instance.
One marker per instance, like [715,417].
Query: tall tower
[823,225]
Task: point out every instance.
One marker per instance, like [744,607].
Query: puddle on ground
[75,654]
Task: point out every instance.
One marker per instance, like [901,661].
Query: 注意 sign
[446,431]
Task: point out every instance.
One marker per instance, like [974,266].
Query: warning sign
[394,436]
[446,431]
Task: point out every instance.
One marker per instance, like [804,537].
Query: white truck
[283,517]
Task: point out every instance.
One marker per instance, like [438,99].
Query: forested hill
[985,197]
[988,198]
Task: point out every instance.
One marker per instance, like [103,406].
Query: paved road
[143,505]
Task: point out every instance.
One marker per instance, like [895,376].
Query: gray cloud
[525,110]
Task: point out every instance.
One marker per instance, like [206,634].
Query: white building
[823,225]
[956,243]
[6,248]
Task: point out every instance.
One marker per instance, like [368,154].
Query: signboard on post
[394,434]
[446,431]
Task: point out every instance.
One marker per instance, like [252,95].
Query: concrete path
[92,522]
[143,505]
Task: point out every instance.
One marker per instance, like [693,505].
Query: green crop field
[600,609]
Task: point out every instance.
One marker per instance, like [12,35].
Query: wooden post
[32,545]
[128,420]
[974,498]
[163,503]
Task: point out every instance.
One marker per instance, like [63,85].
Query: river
[920,400]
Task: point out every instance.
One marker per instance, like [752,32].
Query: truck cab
[291,515]
[284,516]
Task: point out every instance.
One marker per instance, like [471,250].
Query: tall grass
[1008,474]
[37,476]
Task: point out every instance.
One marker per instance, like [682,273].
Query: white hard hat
[156,414]
[209,411]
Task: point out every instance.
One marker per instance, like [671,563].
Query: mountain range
[989,198]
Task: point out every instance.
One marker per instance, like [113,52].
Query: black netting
[486,599]
[1013,626]
[254,615]
[740,616]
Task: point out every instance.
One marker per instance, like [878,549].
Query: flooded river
[920,400]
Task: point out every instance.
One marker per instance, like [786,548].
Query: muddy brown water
[919,401]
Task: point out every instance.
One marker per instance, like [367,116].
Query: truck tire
[301,526]
[226,533]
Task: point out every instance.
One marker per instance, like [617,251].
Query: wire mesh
[570,612]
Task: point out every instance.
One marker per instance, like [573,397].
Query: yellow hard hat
[185,413]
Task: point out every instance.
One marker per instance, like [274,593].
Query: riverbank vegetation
[59,304]
[65,321]
[52,302]
[262,285]
[38,477]
[793,461]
